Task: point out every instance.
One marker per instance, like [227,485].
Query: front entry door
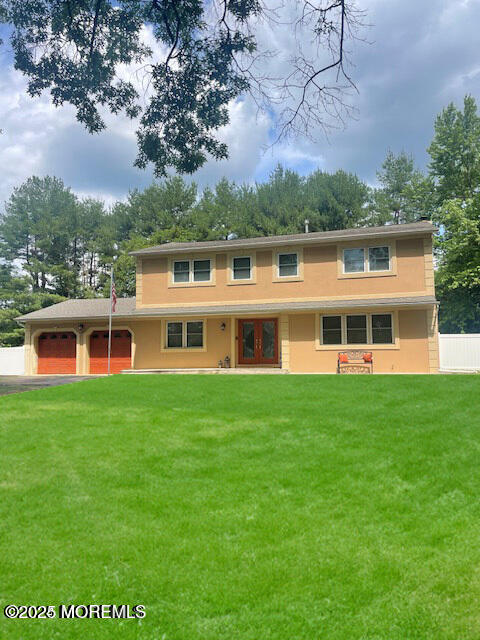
[258,341]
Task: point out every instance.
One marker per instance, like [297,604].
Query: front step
[236,370]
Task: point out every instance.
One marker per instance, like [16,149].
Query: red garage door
[57,352]
[121,355]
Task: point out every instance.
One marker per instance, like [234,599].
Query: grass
[245,507]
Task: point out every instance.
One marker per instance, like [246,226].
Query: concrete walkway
[16,384]
[233,370]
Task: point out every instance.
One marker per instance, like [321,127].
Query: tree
[334,201]
[458,273]
[159,207]
[17,298]
[455,152]
[455,172]
[208,55]
[37,229]
[405,194]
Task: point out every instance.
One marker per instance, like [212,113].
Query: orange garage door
[57,352]
[121,356]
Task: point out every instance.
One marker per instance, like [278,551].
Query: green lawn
[245,507]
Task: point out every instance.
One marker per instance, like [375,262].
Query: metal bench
[355,361]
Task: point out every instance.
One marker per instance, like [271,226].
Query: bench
[355,361]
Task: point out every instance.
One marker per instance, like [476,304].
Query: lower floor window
[375,328]
[382,328]
[357,330]
[188,333]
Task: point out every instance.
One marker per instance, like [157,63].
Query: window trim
[253,268]
[367,258]
[249,268]
[364,270]
[367,273]
[164,348]
[370,345]
[191,258]
[276,277]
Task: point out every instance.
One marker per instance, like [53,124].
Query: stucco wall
[297,344]
[412,356]
[149,351]
[320,278]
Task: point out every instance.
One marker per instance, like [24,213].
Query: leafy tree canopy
[405,194]
[455,152]
[203,54]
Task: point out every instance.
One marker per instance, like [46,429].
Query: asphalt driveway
[16,384]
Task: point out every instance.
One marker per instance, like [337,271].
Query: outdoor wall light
[222,326]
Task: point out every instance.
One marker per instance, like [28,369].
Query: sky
[419,55]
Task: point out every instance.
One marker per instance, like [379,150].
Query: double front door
[258,341]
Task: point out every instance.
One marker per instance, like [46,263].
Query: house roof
[99,308]
[318,237]
[279,307]
[81,309]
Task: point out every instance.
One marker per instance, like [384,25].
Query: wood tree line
[54,245]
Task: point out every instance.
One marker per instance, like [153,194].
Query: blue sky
[420,57]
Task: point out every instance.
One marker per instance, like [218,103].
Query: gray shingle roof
[98,308]
[81,309]
[299,238]
[278,307]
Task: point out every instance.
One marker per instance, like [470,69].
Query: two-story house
[291,301]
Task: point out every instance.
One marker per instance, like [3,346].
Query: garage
[57,352]
[121,354]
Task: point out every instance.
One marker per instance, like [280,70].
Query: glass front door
[258,341]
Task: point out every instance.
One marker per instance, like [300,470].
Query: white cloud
[421,58]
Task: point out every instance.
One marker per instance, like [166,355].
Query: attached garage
[121,353]
[57,352]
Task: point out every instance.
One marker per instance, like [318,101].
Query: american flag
[114,295]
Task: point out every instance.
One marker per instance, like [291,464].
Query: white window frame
[366,260]
[184,323]
[369,343]
[392,325]
[192,269]
[249,279]
[379,246]
[343,260]
[331,315]
[288,253]
[367,327]
[191,273]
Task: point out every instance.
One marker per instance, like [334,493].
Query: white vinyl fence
[12,361]
[459,351]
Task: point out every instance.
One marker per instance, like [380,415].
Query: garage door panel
[121,351]
[57,352]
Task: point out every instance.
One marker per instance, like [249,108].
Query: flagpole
[110,321]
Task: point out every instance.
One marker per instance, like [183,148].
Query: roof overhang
[245,309]
[286,307]
[84,318]
[388,231]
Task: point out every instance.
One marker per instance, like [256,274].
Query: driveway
[16,384]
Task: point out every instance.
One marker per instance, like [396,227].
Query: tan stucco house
[292,302]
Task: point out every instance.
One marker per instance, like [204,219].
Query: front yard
[245,507]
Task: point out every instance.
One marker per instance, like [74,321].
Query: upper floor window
[378,258]
[181,271]
[191,271]
[242,268]
[287,265]
[353,260]
[201,270]
[361,259]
